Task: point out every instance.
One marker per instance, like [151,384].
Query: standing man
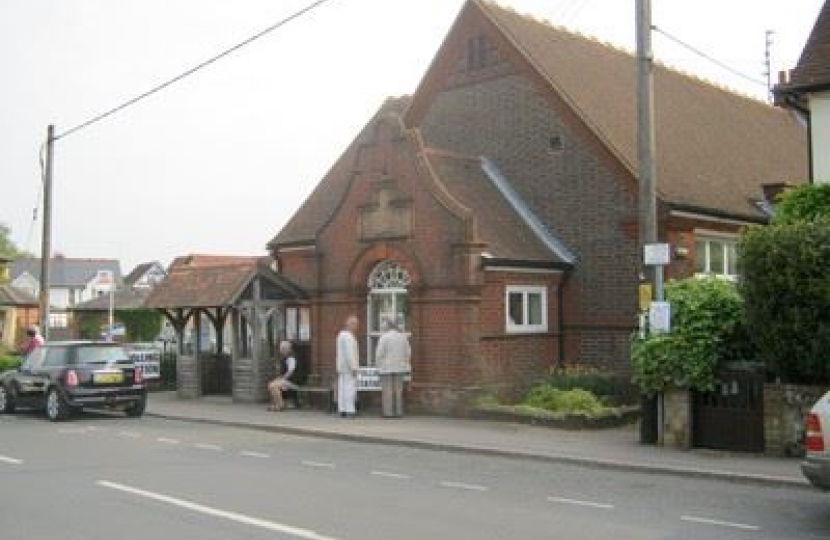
[392,360]
[348,361]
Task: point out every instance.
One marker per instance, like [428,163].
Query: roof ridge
[617,47]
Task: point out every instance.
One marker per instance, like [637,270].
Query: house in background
[72,281]
[18,310]
[494,213]
[806,89]
[92,316]
[145,276]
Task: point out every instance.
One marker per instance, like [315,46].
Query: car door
[29,383]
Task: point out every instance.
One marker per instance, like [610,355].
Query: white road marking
[461,485]
[130,434]
[260,455]
[10,460]
[318,464]
[578,502]
[392,475]
[168,441]
[216,512]
[205,446]
[73,430]
[707,521]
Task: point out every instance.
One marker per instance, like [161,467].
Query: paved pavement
[614,448]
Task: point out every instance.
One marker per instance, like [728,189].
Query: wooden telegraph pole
[46,240]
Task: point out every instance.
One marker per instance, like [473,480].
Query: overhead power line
[191,71]
[709,57]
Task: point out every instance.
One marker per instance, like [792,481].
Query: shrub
[808,202]
[566,401]
[786,290]
[9,362]
[706,331]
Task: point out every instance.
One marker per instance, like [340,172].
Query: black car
[65,377]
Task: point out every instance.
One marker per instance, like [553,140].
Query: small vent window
[477,53]
[556,144]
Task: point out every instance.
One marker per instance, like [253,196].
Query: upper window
[477,52]
[526,309]
[716,256]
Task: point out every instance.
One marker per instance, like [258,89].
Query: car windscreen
[101,355]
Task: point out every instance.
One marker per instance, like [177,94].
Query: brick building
[494,212]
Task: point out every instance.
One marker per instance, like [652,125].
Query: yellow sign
[645,296]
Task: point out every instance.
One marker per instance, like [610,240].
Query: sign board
[646,293]
[118,329]
[656,254]
[659,317]
[148,361]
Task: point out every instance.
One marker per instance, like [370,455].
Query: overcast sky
[220,161]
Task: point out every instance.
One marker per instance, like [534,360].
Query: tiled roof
[205,281]
[813,67]
[715,148]
[67,272]
[12,296]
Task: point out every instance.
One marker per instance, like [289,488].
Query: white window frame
[526,290]
[725,242]
[390,279]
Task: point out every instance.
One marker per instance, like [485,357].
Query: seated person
[286,380]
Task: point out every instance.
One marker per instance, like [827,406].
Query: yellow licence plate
[109,377]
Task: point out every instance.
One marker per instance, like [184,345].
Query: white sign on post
[656,254]
[659,317]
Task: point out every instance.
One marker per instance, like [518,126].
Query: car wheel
[136,408]
[56,407]
[6,400]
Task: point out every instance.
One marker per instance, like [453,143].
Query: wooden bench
[368,380]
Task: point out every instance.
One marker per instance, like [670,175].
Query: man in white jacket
[348,361]
[392,359]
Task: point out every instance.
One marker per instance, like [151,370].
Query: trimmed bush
[9,362]
[553,399]
[706,331]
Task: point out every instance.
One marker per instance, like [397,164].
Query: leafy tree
[808,202]
[786,289]
[706,332]
[8,249]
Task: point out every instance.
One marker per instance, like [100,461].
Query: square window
[526,309]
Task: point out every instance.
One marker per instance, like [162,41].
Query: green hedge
[706,331]
[9,362]
[785,283]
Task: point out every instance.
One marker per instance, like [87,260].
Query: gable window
[477,53]
[716,256]
[526,309]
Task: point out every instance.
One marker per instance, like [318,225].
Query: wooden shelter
[234,309]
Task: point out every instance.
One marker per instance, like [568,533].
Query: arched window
[388,299]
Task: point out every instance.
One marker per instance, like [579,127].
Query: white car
[816,465]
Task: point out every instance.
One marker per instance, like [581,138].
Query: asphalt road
[112,477]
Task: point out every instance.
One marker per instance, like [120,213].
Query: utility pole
[768,63]
[646,143]
[46,240]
